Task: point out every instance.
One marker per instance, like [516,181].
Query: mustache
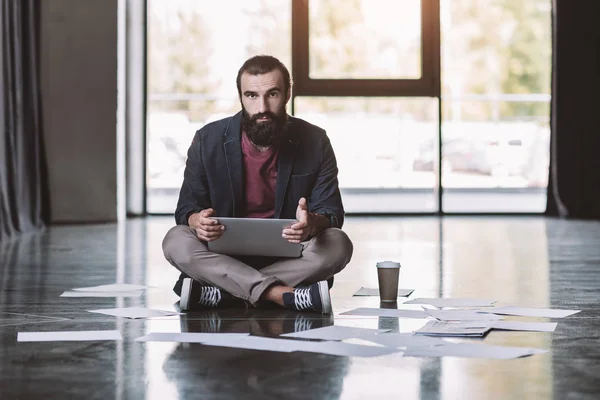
[267,114]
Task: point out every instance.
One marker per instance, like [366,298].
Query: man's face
[263,106]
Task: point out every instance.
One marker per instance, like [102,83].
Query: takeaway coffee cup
[388,273]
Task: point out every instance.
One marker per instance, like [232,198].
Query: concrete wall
[79,100]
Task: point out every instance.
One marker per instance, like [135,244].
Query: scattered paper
[101,294]
[346,349]
[387,312]
[472,351]
[68,336]
[445,329]
[363,291]
[531,312]
[404,340]
[134,312]
[288,346]
[510,325]
[114,287]
[335,332]
[187,337]
[440,303]
[256,343]
[461,315]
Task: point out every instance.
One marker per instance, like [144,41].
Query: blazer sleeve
[194,194]
[325,197]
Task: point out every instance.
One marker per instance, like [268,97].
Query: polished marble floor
[526,261]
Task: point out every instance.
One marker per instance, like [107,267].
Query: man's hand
[206,228]
[308,224]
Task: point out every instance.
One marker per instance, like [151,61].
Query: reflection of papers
[386,312]
[531,312]
[512,325]
[472,351]
[134,312]
[187,337]
[363,291]
[68,336]
[461,315]
[439,328]
[115,287]
[335,332]
[404,340]
[440,303]
[101,294]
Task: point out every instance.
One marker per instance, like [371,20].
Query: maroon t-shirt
[260,175]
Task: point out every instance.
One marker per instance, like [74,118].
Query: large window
[195,48]
[496,104]
[374,74]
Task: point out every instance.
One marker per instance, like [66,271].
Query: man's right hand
[206,228]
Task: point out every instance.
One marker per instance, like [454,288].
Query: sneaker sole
[325,297]
[186,291]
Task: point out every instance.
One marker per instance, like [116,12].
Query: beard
[264,133]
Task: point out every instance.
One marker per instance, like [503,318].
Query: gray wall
[79,100]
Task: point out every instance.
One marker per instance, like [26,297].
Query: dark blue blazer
[214,175]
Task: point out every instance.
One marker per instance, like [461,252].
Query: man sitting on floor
[259,163]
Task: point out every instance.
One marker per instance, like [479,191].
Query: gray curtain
[23,188]
[574,184]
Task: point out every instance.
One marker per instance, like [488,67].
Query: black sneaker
[196,296]
[314,297]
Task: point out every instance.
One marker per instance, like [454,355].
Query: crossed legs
[322,257]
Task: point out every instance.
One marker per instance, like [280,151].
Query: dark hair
[263,64]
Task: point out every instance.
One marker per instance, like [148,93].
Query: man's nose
[262,105]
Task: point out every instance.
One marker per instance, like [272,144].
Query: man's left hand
[308,224]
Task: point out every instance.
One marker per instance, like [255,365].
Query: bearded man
[259,163]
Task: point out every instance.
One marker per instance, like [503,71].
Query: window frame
[428,85]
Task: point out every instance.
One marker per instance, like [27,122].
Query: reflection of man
[259,163]
[207,370]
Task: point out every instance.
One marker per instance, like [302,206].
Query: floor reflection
[220,372]
[536,262]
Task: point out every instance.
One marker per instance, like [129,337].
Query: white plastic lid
[388,264]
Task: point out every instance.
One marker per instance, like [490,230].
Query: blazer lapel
[287,152]
[233,157]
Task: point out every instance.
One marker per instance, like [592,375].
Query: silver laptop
[255,237]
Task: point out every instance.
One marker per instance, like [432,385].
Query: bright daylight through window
[495,79]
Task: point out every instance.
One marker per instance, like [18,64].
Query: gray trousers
[322,257]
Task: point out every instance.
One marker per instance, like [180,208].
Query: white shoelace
[302,298]
[209,296]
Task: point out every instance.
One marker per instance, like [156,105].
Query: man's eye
[251,96]
[274,94]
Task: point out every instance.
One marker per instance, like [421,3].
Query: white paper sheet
[134,312]
[472,351]
[113,287]
[68,336]
[462,315]
[449,329]
[101,294]
[335,332]
[363,291]
[404,340]
[440,303]
[531,312]
[256,343]
[511,325]
[346,349]
[386,312]
[187,337]
[287,346]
